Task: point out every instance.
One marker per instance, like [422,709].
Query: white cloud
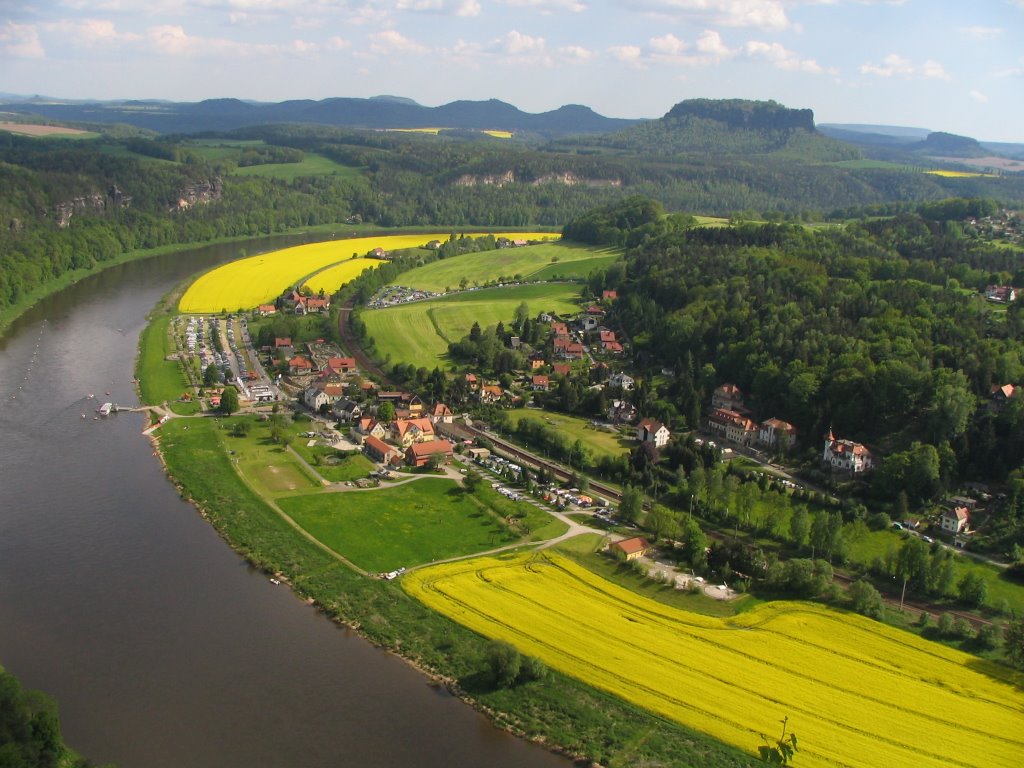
[576,53]
[335,43]
[101,32]
[515,43]
[982,33]
[442,7]
[764,14]
[547,6]
[391,41]
[895,65]
[669,45]
[781,57]
[630,55]
[979,97]
[468,8]
[20,41]
[710,43]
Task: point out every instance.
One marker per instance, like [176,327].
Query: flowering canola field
[255,280]
[857,693]
[331,279]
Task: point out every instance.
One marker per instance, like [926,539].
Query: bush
[988,637]
[532,669]
[945,625]
[962,628]
[505,663]
[865,599]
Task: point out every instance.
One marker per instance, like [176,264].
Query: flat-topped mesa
[741,113]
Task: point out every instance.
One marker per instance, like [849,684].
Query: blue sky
[939,64]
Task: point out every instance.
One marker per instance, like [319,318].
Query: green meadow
[419,333]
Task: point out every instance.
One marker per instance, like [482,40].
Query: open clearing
[384,529]
[419,333]
[32,129]
[510,263]
[857,693]
[600,442]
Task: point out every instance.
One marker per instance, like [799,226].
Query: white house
[315,397]
[651,431]
[776,433]
[955,520]
[846,455]
[622,380]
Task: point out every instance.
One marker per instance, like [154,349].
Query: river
[160,645]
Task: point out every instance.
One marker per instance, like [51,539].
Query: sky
[946,65]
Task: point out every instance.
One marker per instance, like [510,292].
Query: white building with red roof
[846,455]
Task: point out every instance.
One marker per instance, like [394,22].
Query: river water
[160,645]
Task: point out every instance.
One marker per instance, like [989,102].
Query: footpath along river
[161,647]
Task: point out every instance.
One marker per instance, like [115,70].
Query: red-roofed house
[299,364]
[612,347]
[418,454]
[727,396]
[846,455]
[282,343]
[561,369]
[380,451]
[609,295]
[652,431]
[491,393]
[405,432]
[266,309]
[317,305]
[540,383]
[732,426]
[341,364]
[776,433]
[955,520]
[631,549]
[559,328]
[441,413]
[606,335]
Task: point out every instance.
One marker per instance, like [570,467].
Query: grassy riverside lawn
[161,380]
[419,332]
[557,711]
[386,528]
[600,442]
[857,692]
[510,263]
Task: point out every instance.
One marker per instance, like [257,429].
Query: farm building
[631,549]
[419,454]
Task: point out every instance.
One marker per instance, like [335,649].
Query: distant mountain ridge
[378,112]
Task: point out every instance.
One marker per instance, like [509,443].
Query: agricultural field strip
[488,266]
[761,675]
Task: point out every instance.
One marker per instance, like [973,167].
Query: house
[1001,294]
[651,431]
[595,310]
[348,410]
[299,364]
[777,434]
[540,383]
[955,520]
[536,363]
[341,364]
[266,309]
[612,347]
[631,549]
[567,349]
[379,253]
[317,305]
[732,426]
[558,328]
[491,393]
[609,295]
[405,432]
[377,450]
[283,343]
[606,335]
[846,455]
[728,397]
[367,427]
[561,369]
[589,323]
[315,397]
[441,413]
[419,454]
[472,382]
[433,245]
[622,381]
[621,411]
[1000,395]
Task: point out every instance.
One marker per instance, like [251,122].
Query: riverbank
[559,712]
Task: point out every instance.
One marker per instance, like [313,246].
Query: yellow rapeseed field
[499,134]
[332,278]
[246,283]
[959,174]
[857,693]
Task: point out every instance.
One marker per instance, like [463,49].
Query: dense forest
[878,329]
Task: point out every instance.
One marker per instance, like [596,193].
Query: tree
[799,527]
[662,522]
[973,589]
[211,375]
[782,750]
[695,544]
[631,504]
[505,663]
[228,401]
[865,599]
[386,412]
[1013,640]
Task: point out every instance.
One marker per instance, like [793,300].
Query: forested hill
[731,126]
[877,329]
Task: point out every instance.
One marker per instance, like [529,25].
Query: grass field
[384,529]
[161,380]
[331,279]
[526,263]
[856,692]
[419,333]
[599,442]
